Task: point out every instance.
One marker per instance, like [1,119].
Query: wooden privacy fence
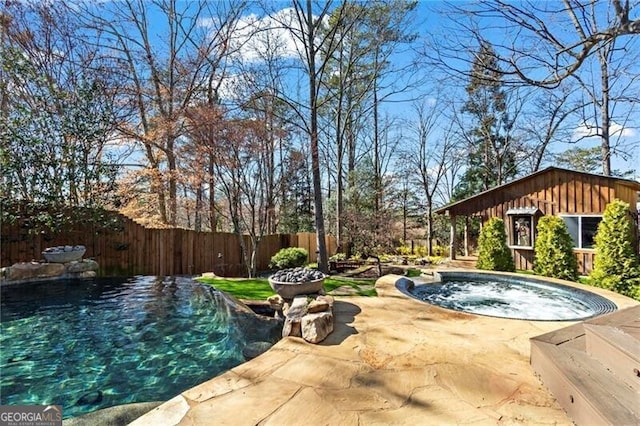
[132,249]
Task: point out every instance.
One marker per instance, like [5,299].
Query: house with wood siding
[578,198]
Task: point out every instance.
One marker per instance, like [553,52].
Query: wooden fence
[132,249]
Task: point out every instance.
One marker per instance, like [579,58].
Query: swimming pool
[510,296]
[91,344]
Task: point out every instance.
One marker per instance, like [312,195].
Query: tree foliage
[553,250]
[490,142]
[57,114]
[616,265]
[493,252]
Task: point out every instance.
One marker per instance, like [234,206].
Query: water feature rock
[31,270]
[294,314]
[311,319]
[316,306]
[82,266]
[316,327]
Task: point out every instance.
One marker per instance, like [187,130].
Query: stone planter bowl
[64,256]
[290,290]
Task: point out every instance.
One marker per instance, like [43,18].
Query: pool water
[515,298]
[91,344]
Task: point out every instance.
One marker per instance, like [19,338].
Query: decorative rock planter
[63,254]
[291,290]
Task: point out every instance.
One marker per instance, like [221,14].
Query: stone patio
[390,360]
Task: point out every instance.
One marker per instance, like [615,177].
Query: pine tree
[491,147]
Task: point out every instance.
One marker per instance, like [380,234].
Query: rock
[82,266]
[295,313]
[328,299]
[292,328]
[316,306]
[26,271]
[316,327]
[87,274]
[298,307]
[90,398]
[255,349]
[276,302]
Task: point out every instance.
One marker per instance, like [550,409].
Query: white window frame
[522,212]
[580,216]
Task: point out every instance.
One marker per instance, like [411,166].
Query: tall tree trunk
[315,157]
[212,202]
[605,134]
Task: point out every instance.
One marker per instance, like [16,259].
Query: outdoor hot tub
[514,296]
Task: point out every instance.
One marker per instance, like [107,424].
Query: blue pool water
[90,344]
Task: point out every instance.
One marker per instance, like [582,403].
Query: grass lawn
[259,288]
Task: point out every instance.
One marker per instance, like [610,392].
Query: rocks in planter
[63,254]
[291,282]
[297,275]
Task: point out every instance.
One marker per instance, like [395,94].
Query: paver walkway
[391,360]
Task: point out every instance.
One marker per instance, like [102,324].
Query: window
[582,230]
[522,226]
[521,230]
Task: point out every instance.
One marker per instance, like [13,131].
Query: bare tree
[430,154]
[305,25]
[543,53]
[545,43]
[165,75]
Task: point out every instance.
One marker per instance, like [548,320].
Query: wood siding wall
[133,249]
[556,192]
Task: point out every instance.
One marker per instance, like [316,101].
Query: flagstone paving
[390,360]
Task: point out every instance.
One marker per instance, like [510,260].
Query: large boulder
[31,270]
[85,265]
[316,327]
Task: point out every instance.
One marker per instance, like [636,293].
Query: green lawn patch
[413,272]
[259,288]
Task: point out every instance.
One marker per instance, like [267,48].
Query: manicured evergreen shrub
[291,257]
[616,266]
[494,255]
[553,248]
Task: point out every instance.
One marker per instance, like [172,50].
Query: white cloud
[589,130]
[255,37]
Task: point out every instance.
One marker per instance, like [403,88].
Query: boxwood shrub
[553,249]
[494,254]
[291,257]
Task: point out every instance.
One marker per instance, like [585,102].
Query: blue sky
[429,24]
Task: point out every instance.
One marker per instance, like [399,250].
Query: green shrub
[403,250]
[291,257]
[494,255]
[553,248]
[338,257]
[616,266]
[442,251]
